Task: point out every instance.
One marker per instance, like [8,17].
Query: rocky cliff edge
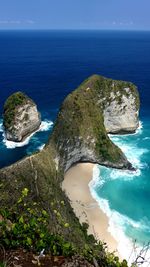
[21,117]
[98,106]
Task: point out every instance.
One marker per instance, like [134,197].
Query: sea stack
[20,117]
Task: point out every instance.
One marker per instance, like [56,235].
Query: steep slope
[21,117]
[79,135]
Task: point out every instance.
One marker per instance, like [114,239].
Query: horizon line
[83,29]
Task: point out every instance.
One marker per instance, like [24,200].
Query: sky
[75,14]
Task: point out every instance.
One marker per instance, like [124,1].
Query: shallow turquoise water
[125,196]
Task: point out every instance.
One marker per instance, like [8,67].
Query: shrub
[26,226]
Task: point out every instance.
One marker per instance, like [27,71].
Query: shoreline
[44,126]
[76,186]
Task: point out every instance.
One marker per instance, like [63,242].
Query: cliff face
[121,113]
[21,117]
[99,106]
[119,103]
[96,107]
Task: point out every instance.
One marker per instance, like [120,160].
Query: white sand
[86,208]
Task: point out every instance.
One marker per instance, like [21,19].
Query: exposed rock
[120,105]
[79,135]
[21,117]
[97,107]
[121,115]
[80,130]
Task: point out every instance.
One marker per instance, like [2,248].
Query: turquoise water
[125,196]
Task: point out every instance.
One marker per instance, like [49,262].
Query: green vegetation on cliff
[38,174]
[42,216]
[27,225]
[103,87]
[80,124]
[14,101]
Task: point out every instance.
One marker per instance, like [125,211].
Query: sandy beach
[85,207]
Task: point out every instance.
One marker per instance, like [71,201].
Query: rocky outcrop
[99,106]
[119,102]
[121,114]
[79,135]
[21,117]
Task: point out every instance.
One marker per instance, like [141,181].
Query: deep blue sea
[47,65]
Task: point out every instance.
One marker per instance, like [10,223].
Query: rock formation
[79,135]
[99,106]
[21,117]
[121,114]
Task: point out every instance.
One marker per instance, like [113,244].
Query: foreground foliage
[27,225]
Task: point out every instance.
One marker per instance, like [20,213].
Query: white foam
[41,147]
[1,126]
[138,131]
[117,224]
[45,126]
[131,150]
[140,127]
[146,138]
[96,181]
[124,175]
[117,221]
[11,144]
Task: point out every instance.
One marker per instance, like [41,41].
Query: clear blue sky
[75,14]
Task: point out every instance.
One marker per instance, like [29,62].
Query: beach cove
[86,208]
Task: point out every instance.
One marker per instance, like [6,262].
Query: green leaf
[19,200]
[42,235]
[33,222]
[25,226]
[21,220]
[44,212]
[25,192]
[66,225]
[29,241]
[6,240]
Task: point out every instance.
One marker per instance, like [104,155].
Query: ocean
[47,65]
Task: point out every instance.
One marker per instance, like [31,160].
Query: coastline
[76,186]
[44,126]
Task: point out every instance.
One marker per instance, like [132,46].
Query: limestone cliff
[97,107]
[121,109]
[79,135]
[21,117]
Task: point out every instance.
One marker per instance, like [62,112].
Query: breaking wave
[121,226]
[46,125]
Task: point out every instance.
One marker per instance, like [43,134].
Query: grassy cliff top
[12,103]
[16,99]
[80,121]
[103,87]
